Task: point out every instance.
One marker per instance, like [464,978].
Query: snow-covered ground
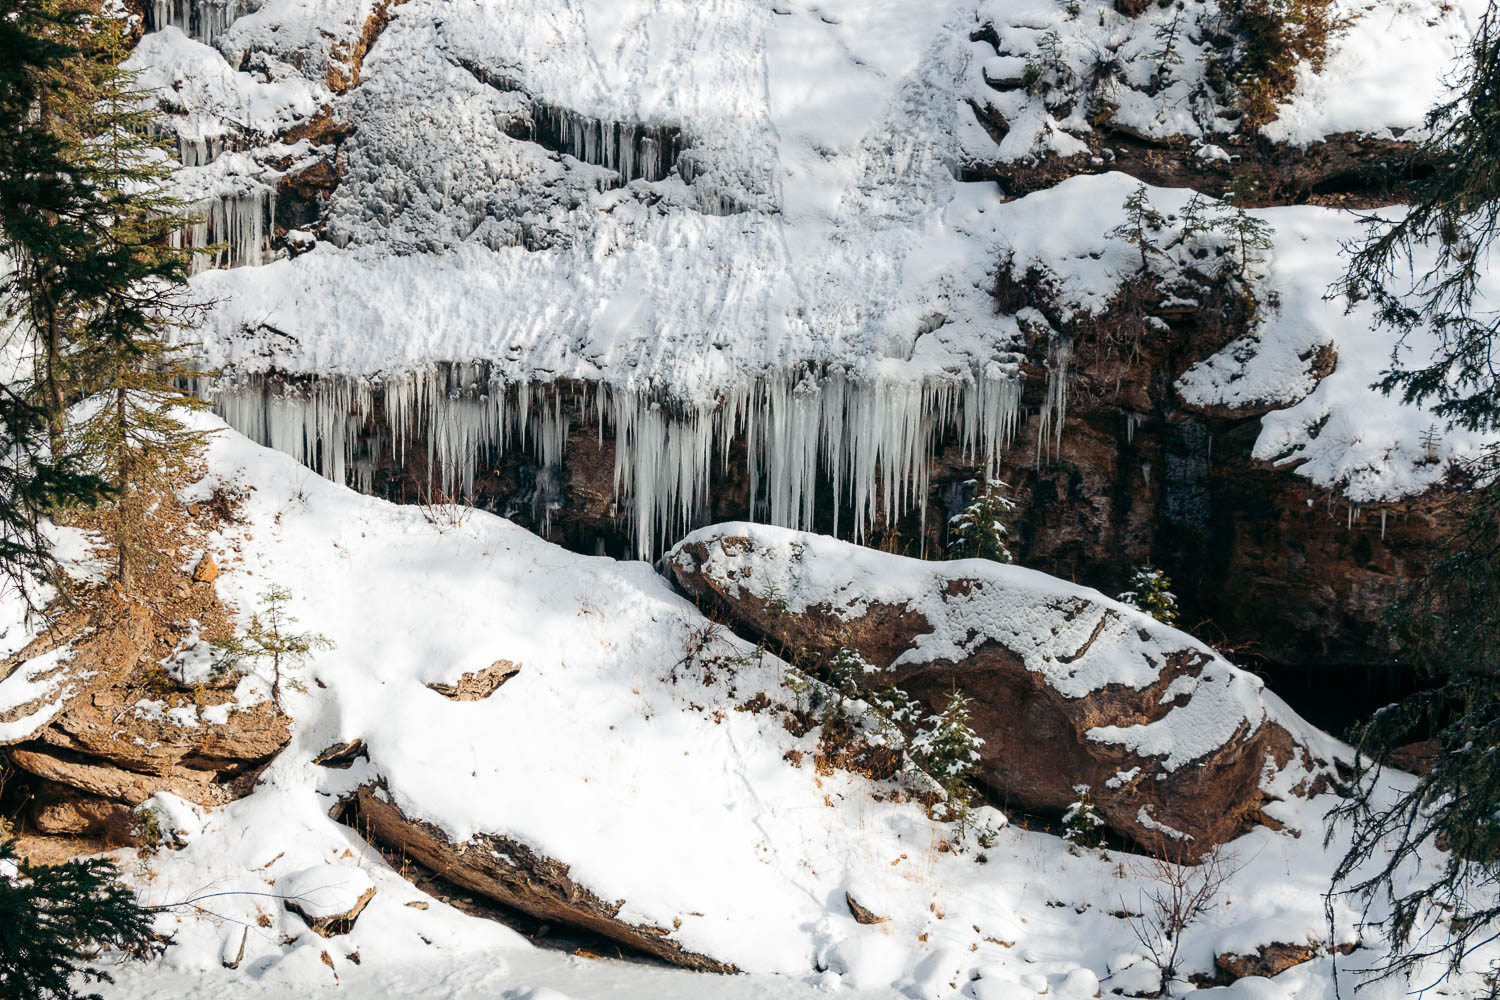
[612,753]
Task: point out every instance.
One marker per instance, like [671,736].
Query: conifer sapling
[980,530]
[269,640]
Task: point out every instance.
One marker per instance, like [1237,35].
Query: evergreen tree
[270,641]
[1447,627]
[1151,591]
[947,748]
[122,357]
[54,918]
[1082,824]
[1249,236]
[980,531]
[1141,226]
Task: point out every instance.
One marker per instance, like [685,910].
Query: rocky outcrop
[1068,688]
[112,727]
[511,873]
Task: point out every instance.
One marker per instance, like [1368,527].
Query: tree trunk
[122,513]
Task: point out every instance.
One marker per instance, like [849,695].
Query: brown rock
[98,655]
[59,811]
[515,875]
[207,571]
[106,725]
[479,684]
[1268,960]
[101,779]
[862,915]
[1040,741]
[1417,758]
[332,925]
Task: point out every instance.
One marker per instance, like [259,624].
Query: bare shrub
[1175,895]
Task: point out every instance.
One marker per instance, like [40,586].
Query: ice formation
[200,20]
[631,149]
[233,230]
[870,439]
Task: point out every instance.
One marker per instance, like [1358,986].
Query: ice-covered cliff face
[732,220]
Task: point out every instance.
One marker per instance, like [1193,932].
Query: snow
[326,890]
[208,102]
[658,792]
[1416,42]
[1340,432]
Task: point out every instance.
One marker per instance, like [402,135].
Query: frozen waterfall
[871,439]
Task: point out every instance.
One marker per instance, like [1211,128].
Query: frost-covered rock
[1069,688]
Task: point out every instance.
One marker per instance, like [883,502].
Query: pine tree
[85,223]
[846,672]
[51,236]
[980,530]
[269,640]
[140,446]
[1141,226]
[54,918]
[1082,825]
[1151,591]
[1249,236]
[947,748]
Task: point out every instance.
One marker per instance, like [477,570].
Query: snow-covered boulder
[1069,687]
[328,897]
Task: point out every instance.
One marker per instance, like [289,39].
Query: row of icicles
[870,442]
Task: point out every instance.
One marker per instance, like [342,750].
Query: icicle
[240,225]
[871,441]
[1382,524]
[1055,406]
[630,149]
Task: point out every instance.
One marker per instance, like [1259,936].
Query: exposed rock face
[477,685]
[114,729]
[513,874]
[1068,688]
[1282,568]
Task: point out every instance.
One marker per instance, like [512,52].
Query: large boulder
[1069,688]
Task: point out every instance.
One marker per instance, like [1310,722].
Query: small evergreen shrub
[1151,591]
[946,747]
[1083,827]
[269,640]
[980,530]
